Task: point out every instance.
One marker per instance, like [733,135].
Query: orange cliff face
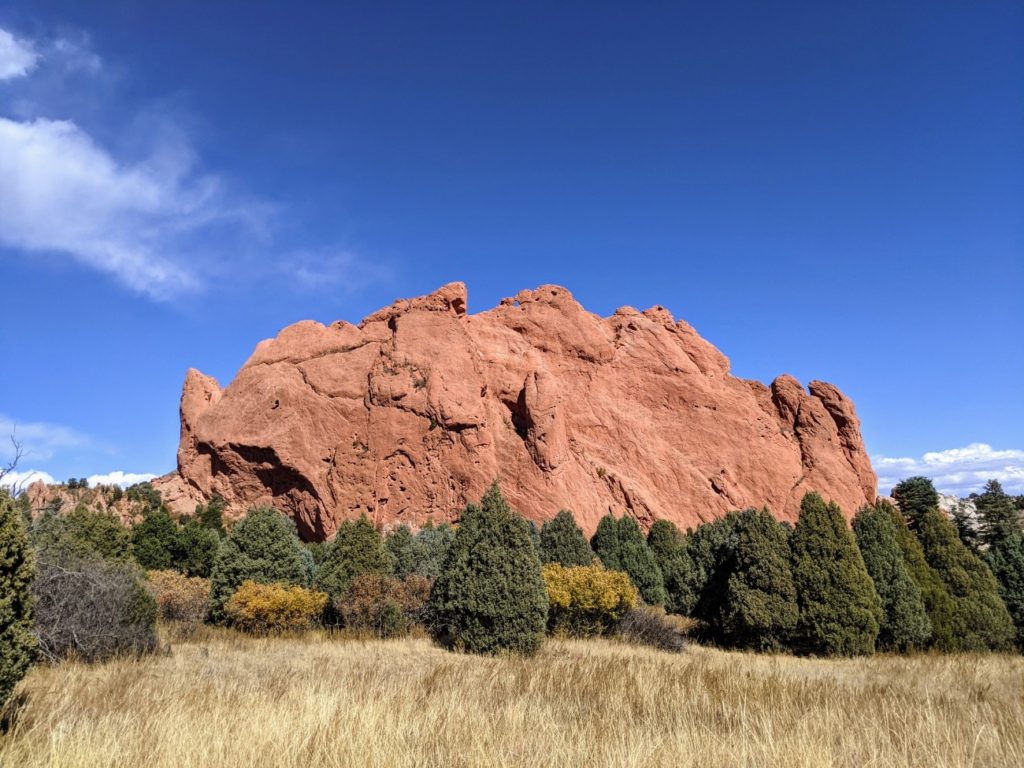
[416,410]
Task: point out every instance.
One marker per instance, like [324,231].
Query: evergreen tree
[760,609]
[17,642]
[212,515]
[671,552]
[711,552]
[840,612]
[980,620]
[401,548]
[605,543]
[915,496]
[938,603]
[997,518]
[195,549]
[432,542]
[357,548]
[490,596]
[905,622]
[154,540]
[82,535]
[562,542]
[1006,559]
[623,544]
[262,547]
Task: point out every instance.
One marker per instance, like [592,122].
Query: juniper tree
[979,620]
[938,603]
[710,548]
[760,608]
[17,642]
[562,542]
[1006,559]
[154,539]
[357,548]
[905,622]
[432,542]
[622,547]
[490,595]
[840,612]
[670,548]
[262,547]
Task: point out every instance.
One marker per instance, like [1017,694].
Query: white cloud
[958,471]
[39,440]
[330,270]
[117,477]
[17,57]
[21,480]
[61,192]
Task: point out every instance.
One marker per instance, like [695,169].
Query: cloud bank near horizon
[956,471]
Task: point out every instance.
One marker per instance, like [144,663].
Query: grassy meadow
[224,699]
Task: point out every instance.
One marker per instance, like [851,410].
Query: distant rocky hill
[414,411]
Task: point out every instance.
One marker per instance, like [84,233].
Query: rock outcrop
[413,412]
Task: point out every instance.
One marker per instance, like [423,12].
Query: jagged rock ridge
[413,412]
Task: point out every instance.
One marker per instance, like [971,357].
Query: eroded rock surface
[413,412]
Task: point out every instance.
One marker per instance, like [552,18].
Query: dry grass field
[226,700]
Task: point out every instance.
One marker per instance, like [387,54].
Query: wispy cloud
[158,221]
[958,471]
[17,57]
[39,440]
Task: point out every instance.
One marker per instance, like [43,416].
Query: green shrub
[154,540]
[760,608]
[211,515]
[840,612]
[905,622]
[145,494]
[650,625]
[384,605]
[357,548]
[83,534]
[17,569]
[195,549]
[621,546]
[274,608]
[562,542]
[980,620]
[262,547]
[490,596]
[586,600]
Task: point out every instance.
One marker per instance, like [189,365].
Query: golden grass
[221,699]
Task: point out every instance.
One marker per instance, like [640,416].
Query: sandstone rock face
[413,412]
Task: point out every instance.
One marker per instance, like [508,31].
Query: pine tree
[562,542]
[357,548]
[262,547]
[401,548]
[490,596]
[938,603]
[622,547]
[840,612]
[980,620]
[1006,559]
[905,622]
[154,539]
[997,518]
[915,496]
[17,642]
[760,609]
[670,548]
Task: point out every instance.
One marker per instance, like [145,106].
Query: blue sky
[834,192]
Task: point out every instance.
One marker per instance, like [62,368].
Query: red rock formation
[417,409]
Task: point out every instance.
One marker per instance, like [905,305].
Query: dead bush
[179,598]
[650,625]
[385,606]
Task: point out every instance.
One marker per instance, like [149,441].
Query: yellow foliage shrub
[273,608]
[586,600]
[178,597]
